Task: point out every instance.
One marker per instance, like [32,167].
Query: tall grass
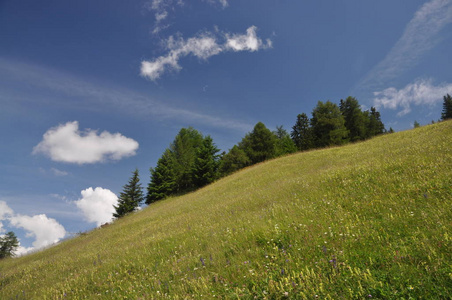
[368,220]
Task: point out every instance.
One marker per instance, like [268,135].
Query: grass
[367,220]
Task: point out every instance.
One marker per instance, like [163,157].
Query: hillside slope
[368,220]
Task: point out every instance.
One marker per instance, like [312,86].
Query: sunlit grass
[368,220]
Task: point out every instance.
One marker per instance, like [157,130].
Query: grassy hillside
[369,220]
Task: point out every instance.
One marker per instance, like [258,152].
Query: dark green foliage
[375,126]
[416,124]
[260,144]
[130,198]
[8,244]
[234,160]
[284,144]
[257,146]
[447,108]
[162,179]
[328,125]
[302,133]
[183,151]
[205,167]
[181,167]
[390,130]
[356,121]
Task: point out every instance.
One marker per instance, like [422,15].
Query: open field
[367,220]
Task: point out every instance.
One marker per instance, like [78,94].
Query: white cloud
[46,231]
[23,250]
[65,143]
[419,36]
[203,47]
[244,42]
[97,205]
[5,212]
[421,92]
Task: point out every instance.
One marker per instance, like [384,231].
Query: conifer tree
[375,126]
[130,198]
[302,133]
[328,125]
[447,108]
[284,144]
[205,167]
[356,121]
[163,179]
[234,160]
[8,244]
[260,144]
[183,150]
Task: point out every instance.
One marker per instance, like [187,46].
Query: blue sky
[91,90]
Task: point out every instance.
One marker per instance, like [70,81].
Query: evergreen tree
[328,125]
[416,124]
[130,198]
[163,179]
[284,144]
[183,150]
[205,167]
[260,144]
[302,133]
[8,245]
[375,125]
[234,160]
[390,130]
[447,108]
[356,121]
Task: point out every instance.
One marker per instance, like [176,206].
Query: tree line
[192,160]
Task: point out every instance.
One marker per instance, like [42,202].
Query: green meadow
[371,220]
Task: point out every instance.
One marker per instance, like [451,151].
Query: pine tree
[355,120]
[447,108]
[8,245]
[302,133]
[130,198]
[375,125]
[205,167]
[328,125]
[162,183]
[183,150]
[260,144]
[284,144]
[234,160]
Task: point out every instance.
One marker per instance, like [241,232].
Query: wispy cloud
[203,46]
[66,143]
[97,205]
[163,8]
[101,97]
[420,35]
[58,172]
[421,92]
